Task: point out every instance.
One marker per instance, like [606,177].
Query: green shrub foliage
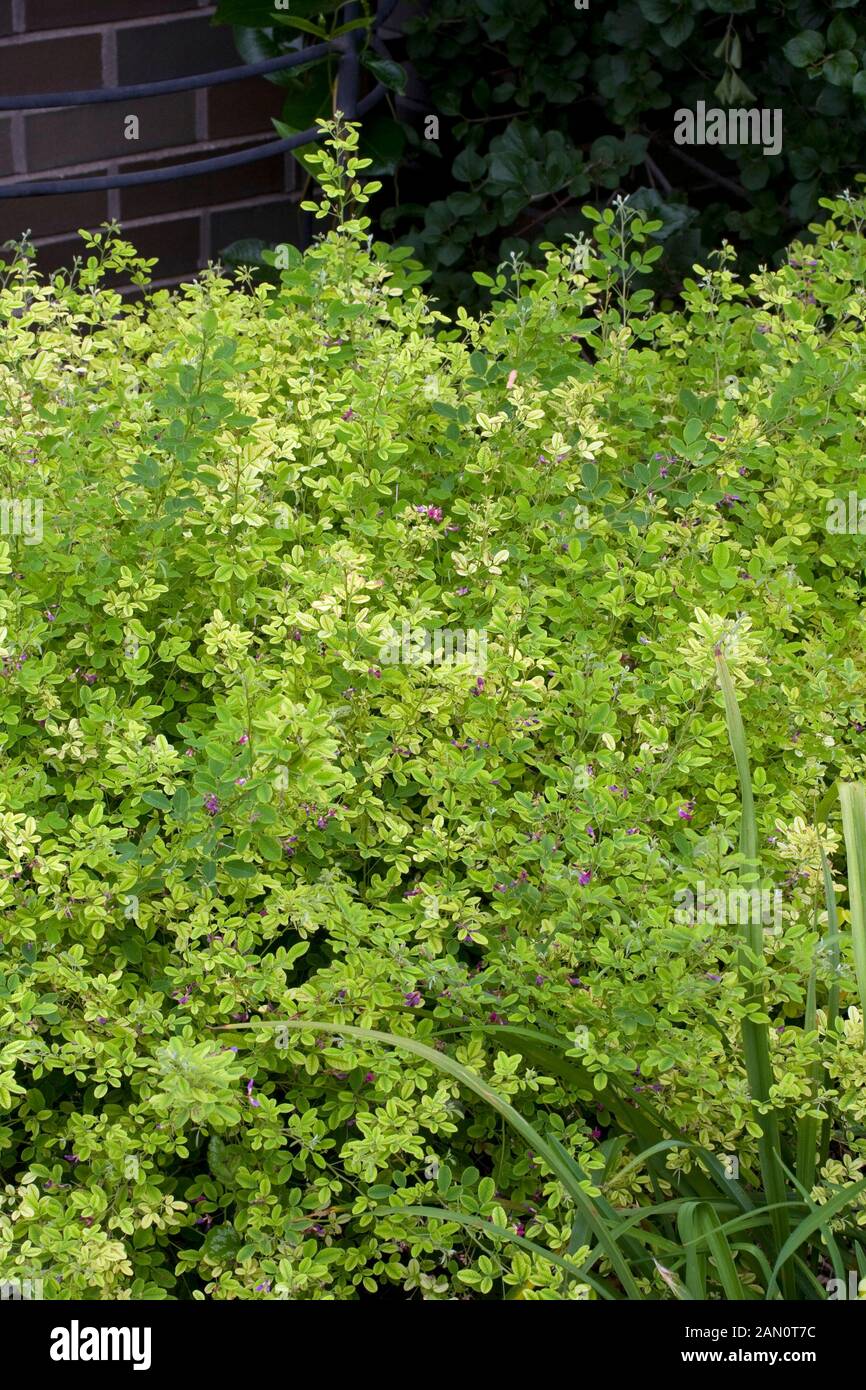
[543,105]
[238,783]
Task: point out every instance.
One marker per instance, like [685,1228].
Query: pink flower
[244,738]
[584,877]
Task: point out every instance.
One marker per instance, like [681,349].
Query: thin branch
[656,173]
[718,179]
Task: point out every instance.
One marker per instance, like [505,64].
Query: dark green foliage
[543,107]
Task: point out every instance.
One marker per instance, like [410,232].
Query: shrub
[540,107]
[244,782]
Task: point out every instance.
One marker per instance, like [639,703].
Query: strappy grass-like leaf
[549,1150]
[579,1274]
[703,1238]
[755,1035]
[817,1220]
[853,798]
[833,960]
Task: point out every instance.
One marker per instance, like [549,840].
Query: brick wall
[62,45]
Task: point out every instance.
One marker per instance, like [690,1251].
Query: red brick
[51,65]
[175,243]
[243,108]
[272,221]
[174,48]
[6,166]
[51,216]
[250,181]
[63,14]
[90,133]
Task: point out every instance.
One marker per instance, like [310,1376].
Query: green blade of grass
[635,1116]
[700,1225]
[807,1129]
[478,1223]
[853,798]
[816,1220]
[755,1035]
[833,957]
[536,1141]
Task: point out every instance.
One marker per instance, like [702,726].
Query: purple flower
[250,1088]
[686,811]
[539,979]
[584,877]
[244,738]
[348,414]
[369,1076]
[710,976]
[413,999]
[464,589]
[596,1132]
[211,804]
